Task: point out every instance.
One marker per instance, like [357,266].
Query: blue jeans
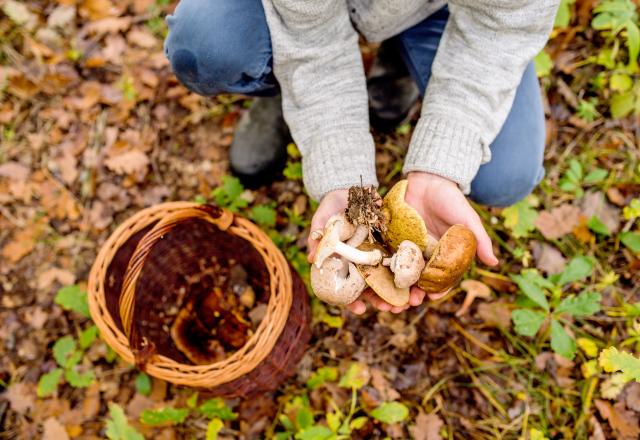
[224,46]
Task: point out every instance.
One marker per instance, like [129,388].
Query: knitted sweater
[480,61]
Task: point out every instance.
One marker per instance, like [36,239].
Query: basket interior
[178,255]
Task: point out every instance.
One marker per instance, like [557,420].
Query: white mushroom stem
[337,282]
[369,258]
[360,235]
[406,264]
[338,229]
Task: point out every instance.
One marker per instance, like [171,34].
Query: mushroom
[451,258]
[403,222]
[380,279]
[337,281]
[406,264]
[448,258]
[337,229]
[475,289]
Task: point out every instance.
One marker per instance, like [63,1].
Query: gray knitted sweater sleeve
[479,64]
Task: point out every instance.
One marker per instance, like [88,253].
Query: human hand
[333,203]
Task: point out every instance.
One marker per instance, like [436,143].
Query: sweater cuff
[447,148]
[338,161]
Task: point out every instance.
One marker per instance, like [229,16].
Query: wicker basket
[144,259]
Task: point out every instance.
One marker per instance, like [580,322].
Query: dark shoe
[259,147]
[392,91]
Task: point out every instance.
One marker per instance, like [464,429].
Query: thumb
[318,221]
[485,248]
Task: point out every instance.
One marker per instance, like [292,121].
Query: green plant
[541,301]
[620,17]
[118,427]
[520,218]
[574,178]
[587,109]
[229,194]
[216,410]
[67,351]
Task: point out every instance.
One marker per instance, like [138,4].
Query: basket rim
[230,368]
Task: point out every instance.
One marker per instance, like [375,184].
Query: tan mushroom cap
[380,279]
[450,260]
[336,282]
[406,264]
[403,221]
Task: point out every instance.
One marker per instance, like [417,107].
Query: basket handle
[222,218]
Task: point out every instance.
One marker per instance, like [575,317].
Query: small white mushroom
[406,264]
[337,281]
[337,230]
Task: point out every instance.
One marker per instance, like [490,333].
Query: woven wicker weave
[143,258]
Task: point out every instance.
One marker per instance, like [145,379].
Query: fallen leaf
[21,397]
[623,422]
[20,14]
[24,241]
[91,403]
[97,9]
[427,427]
[615,196]
[14,171]
[61,17]
[49,276]
[596,430]
[382,385]
[36,317]
[595,204]
[559,221]
[632,398]
[582,232]
[548,258]
[128,163]
[142,38]
[53,430]
[475,289]
[495,314]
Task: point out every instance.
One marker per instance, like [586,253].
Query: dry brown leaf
[623,422]
[427,427]
[97,9]
[24,241]
[495,314]
[558,222]
[596,430]
[53,430]
[128,163]
[61,17]
[142,38]
[582,232]
[595,204]
[548,258]
[56,200]
[20,14]
[382,385]
[14,171]
[615,196]
[632,398]
[36,317]
[49,276]
[109,25]
[91,403]
[138,404]
[21,397]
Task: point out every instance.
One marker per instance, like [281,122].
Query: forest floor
[95,127]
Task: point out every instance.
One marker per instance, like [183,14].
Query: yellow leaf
[588,346]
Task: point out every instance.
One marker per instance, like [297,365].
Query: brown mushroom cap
[380,279]
[403,222]
[450,260]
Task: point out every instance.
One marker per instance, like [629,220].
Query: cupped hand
[333,203]
[441,204]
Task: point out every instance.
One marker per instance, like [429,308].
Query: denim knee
[221,46]
[517,152]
